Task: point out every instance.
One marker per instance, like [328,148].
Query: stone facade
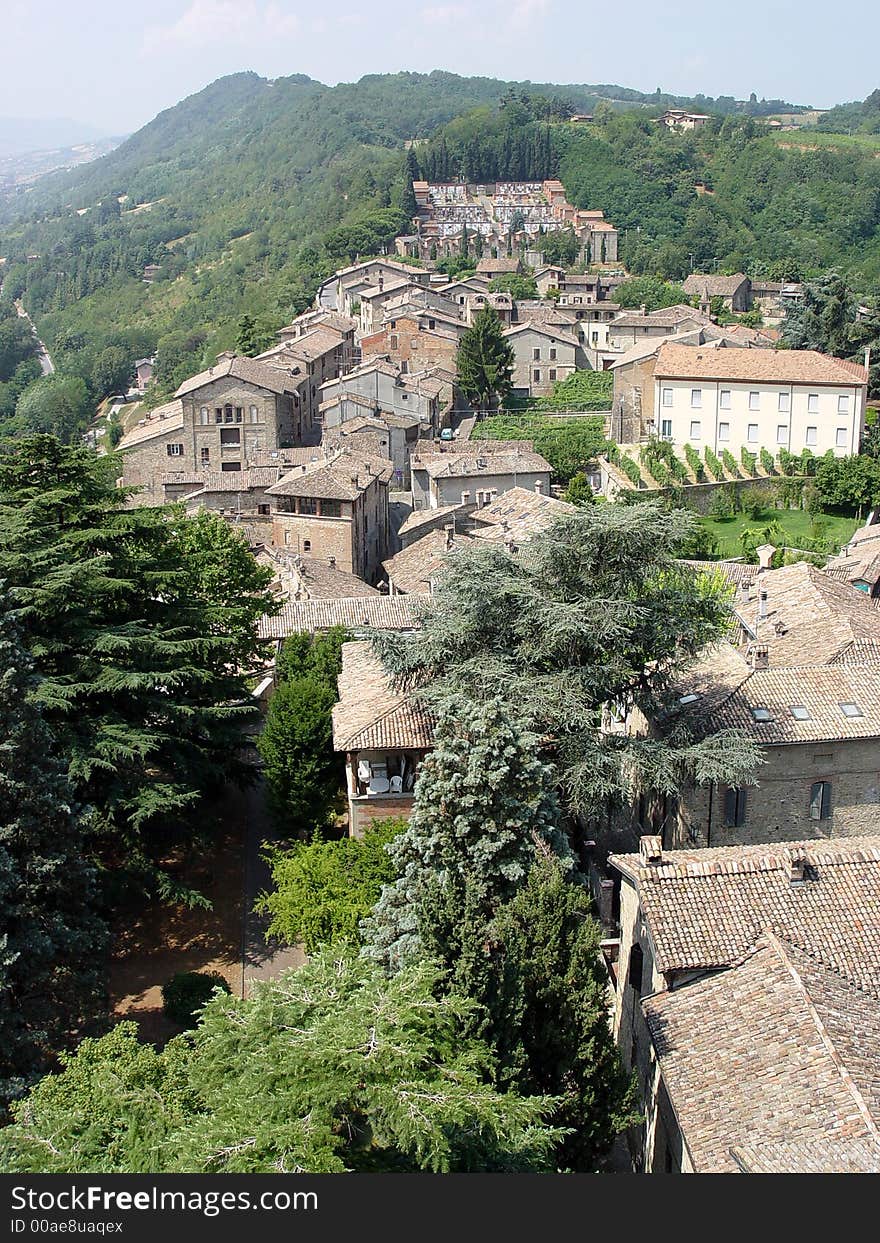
[410,344]
[542,357]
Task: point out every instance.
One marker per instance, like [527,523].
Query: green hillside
[249,192]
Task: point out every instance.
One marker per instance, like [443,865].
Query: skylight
[690,699]
[850,709]
[799,712]
[762,714]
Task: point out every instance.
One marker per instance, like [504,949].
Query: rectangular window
[667,397]
[174,450]
[813,403]
[395,340]
[843,405]
[820,800]
[331,509]
[754,401]
[811,438]
[752,434]
[231,466]
[696,398]
[734,807]
[784,404]
[724,431]
[206,456]
[552,353]
[666,427]
[636,969]
[239,413]
[695,429]
[841,438]
[536,354]
[537,376]
[724,399]
[218,415]
[307,505]
[263,509]
[230,436]
[552,373]
[781,434]
[228,414]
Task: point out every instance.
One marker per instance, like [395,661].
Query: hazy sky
[114,64]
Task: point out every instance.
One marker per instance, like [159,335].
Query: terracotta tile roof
[773,366]
[818,690]
[734,571]
[859,560]
[159,422]
[341,478]
[413,568]
[326,582]
[280,458]
[811,617]
[239,368]
[707,908]
[518,514]
[779,1050]
[666,317]
[495,266]
[543,330]
[370,715]
[498,457]
[714,286]
[421,517]
[355,613]
[343,324]
[850,1156]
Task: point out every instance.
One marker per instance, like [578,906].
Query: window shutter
[730,808]
[741,807]
[816,800]
[826,800]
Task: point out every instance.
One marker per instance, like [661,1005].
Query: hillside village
[739,922]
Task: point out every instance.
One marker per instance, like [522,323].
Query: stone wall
[364,811]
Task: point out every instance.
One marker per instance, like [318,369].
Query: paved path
[261,960]
[46,365]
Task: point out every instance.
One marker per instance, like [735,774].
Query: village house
[858,562]
[344,325]
[542,356]
[801,677]
[775,399]
[375,298]
[746,982]
[335,510]
[383,735]
[476,471]
[144,369]
[679,119]
[634,327]
[414,570]
[490,268]
[734,291]
[413,346]
[394,436]
[342,290]
[357,614]
[518,515]
[425,394]
[422,521]
[309,578]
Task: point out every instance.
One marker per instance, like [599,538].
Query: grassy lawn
[799,527]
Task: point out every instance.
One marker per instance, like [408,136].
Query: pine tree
[536,973]
[484,362]
[51,940]
[141,625]
[482,801]
[329,1068]
[599,614]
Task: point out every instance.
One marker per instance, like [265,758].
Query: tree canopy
[484,362]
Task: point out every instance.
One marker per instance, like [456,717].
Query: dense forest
[248,193]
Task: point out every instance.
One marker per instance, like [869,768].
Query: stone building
[414,570]
[424,394]
[858,562]
[542,356]
[476,471]
[759,398]
[335,510]
[734,291]
[745,983]
[383,735]
[410,344]
[343,289]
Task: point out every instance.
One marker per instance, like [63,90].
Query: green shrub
[630,469]
[696,465]
[716,470]
[721,505]
[768,461]
[757,501]
[186,993]
[749,460]
[730,462]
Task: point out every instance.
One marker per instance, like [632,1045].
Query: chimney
[759,656]
[539,485]
[765,553]
[745,588]
[332,561]
[762,603]
[797,868]
[650,851]
[450,536]
[867,358]
[643,309]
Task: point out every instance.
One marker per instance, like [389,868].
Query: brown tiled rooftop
[370,715]
[778,1051]
[374,612]
[773,366]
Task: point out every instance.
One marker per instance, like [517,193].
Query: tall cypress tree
[484,362]
[51,939]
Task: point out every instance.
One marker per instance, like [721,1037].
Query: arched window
[255,414]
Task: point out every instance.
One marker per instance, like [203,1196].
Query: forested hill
[246,194]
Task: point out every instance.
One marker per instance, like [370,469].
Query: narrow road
[46,364]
